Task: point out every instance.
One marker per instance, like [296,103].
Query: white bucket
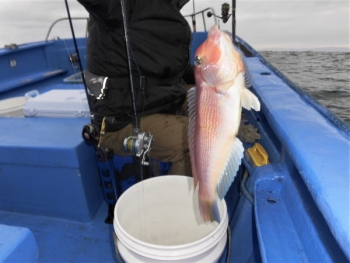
[159,220]
[12,107]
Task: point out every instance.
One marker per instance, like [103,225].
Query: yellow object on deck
[258,155]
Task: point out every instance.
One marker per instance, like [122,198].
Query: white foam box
[58,103]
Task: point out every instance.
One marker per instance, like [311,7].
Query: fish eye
[197,60]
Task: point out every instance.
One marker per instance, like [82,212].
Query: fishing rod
[90,132]
[140,142]
[194,18]
[136,125]
[77,51]
[225,9]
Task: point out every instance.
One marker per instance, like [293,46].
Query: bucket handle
[31,94]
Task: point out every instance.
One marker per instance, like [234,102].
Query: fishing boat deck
[62,240]
[49,183]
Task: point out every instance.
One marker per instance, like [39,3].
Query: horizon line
[320,49]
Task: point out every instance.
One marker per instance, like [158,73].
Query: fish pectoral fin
[249,100]
[191,97]
[224,87]
[231,168]
[221,90]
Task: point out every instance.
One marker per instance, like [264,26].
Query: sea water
[325,76]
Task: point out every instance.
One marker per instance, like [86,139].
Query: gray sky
[265,25]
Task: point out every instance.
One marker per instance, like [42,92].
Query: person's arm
[107,12]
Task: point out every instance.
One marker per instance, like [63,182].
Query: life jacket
[159,38]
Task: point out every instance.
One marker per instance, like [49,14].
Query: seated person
[159,40]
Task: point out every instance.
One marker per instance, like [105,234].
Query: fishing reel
[225,9]
[140,144]
[91,133]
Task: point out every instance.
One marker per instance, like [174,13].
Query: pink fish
[215,106]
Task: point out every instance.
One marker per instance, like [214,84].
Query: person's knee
[182,167]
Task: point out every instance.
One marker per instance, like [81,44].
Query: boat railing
[202,12]
[66,18]
[193,15]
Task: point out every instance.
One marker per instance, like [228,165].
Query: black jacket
[160,39]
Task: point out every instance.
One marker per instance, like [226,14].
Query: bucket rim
[224,220]
[184,256]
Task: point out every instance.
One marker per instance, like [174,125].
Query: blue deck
[66,241]
[50,187]
[20,244]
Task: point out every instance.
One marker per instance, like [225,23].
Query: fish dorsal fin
[231,168]
[249,100]
[191,97]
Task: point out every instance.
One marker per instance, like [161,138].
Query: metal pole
[194,19]
[234,20]
[205,26]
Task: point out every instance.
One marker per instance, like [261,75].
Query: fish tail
[209,210]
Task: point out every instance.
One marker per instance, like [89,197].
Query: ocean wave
[325,76]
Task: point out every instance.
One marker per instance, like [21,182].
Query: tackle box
[57,103]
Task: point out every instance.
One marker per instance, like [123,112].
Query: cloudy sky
[266,25]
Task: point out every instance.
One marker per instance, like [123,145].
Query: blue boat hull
[295,209]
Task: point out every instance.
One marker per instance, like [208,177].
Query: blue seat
[53,170]
[17,245]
